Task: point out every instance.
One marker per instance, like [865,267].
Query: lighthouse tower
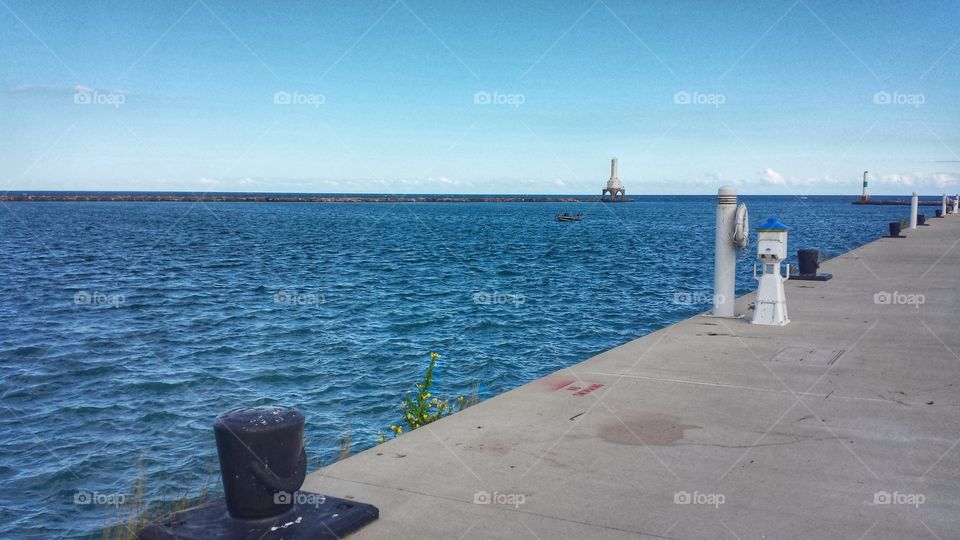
[864,197]
[613,185]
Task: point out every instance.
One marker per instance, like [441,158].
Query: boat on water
[567,216]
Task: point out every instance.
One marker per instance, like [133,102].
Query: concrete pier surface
[843,424]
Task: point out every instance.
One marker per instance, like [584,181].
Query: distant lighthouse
[864,197]
[613,185]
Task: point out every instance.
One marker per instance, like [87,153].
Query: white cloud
[898,179]
[773,177]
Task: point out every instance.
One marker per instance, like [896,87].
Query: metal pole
[914,202]
[943,207]
[725,260]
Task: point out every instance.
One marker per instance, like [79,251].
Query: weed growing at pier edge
[421,408]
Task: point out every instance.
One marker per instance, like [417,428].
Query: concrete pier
[843,424]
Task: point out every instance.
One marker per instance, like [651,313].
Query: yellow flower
[427,395]
[424,416]
[434,356]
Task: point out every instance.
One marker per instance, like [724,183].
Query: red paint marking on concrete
[588,389]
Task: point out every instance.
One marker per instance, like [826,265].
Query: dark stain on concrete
[645,430]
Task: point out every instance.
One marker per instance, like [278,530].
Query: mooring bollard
[249,439]
[895,230]
[808,262]
[263,464]
[914,202]
[921,219]
[938,212]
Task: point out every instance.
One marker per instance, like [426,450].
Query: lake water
[127,327]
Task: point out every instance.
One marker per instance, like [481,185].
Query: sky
[417,96]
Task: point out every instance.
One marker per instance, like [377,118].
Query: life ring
[741,229]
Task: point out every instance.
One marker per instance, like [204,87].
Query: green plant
[421,407]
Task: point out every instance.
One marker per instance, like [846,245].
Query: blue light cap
[772,225]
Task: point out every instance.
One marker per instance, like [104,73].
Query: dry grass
[125,524]
[344,443]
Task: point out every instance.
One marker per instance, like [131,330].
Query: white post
[914,202]
[613,168]
[943,207]
[956,203]
[725,254]
[864,196]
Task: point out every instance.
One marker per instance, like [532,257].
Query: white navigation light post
[732,233]
[614,186]
[914,202]
[771,304]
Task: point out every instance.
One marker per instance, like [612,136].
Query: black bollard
[895,230]
[263,464]
[809,263]
[261,454]
[808,259]
[921,219]
[938,212]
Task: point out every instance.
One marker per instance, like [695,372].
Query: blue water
[178,320]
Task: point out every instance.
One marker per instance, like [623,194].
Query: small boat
[567,216]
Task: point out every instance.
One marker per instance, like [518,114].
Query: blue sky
[414,96]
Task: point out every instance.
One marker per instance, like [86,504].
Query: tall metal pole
[725,260]
[914,202]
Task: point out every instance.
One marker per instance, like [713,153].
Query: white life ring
[741,229]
